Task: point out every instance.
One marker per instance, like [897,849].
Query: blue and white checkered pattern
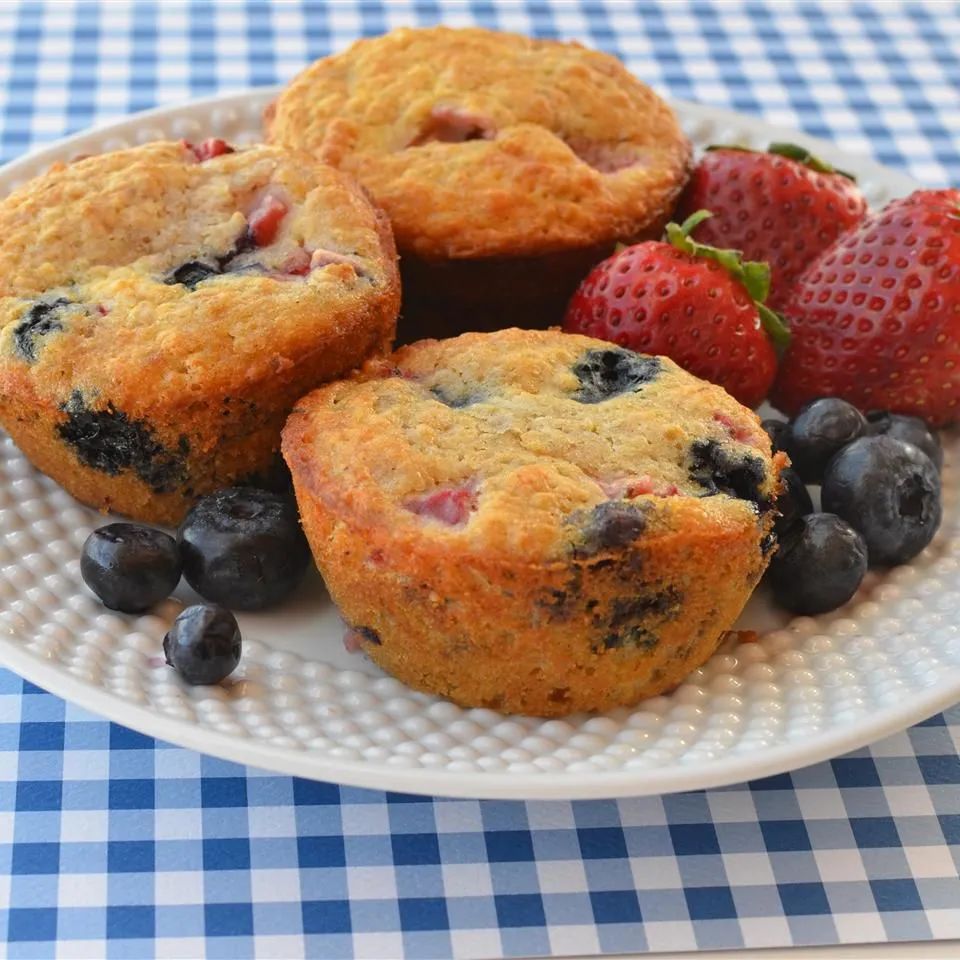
[118,846]
[114,845]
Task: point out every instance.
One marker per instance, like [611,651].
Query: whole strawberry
[876,318]
[784,206]
[698,305]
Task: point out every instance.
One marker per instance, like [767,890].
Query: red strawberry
[700,306]
[876,318]
[265,219]
[784,206]
[450,505]
[209,148]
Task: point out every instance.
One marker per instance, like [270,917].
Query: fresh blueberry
[889,491]
[779,433]
[820,430]
[604,374]
[203,644]
[130,567]
[793,503]
[719,470]
[243,547]
[191,273]
[819,566]
[909,430]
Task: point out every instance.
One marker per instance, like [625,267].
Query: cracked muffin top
[532,446]
[168,272]
[479,143]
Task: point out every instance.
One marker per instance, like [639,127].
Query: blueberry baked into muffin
[533,521]
[163,307]
[507,165]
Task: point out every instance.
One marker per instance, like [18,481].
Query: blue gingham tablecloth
[115,845]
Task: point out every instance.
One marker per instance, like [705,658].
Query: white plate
[301,704]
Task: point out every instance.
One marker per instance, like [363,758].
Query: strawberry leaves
[802,155]
[792,151]
[775,325]
[754,275]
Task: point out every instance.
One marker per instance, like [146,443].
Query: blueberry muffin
[163,307]
[533,521]
[508,166]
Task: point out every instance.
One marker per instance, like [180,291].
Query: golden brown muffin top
[479,143]
[531,445]
[152,273]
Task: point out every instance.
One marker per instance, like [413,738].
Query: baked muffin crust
[160,312]
[486,144]
[531,520]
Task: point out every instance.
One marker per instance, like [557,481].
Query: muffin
[163,307]
[533,521]
[508,166]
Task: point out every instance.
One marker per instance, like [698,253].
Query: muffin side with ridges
[484,147]
[161,313]
[509,533]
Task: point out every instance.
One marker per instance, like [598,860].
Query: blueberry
[203,644]
[40,320]
[909,429]
[243,547]
[889,491]
[633,636]
[245,243]
[779,433]
[819,566]
[109,441]
[820,430]
[369,634]
[191,273]
[458,401]
[660,604]
[719,470]
[610,525]
[130,567]
[794,502]
[608,373]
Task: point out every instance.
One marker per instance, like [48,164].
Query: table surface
[115,845]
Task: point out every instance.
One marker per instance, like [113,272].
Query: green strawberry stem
[753,274]
[791,151]
[802,155]
[775,325]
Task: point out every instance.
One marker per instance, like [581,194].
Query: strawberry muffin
[533,521]
[162,307]
[507,165]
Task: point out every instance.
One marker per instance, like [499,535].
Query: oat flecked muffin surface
[533,521]
[491,151]
[162,307]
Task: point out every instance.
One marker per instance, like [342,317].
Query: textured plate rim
[690,112]
[467,784]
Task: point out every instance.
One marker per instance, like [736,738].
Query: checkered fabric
[115,845]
